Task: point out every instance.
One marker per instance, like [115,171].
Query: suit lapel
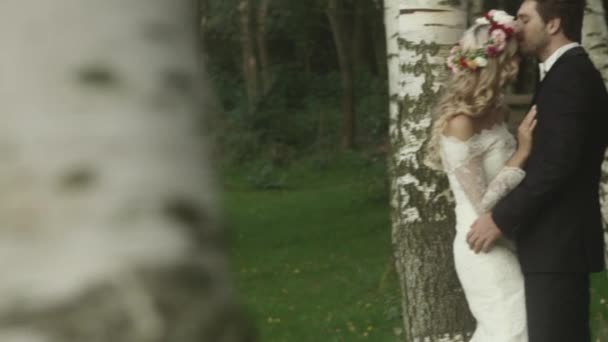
[536,91]
[577,51]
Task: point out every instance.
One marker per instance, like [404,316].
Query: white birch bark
[595,36]
[595,41]
[109,227]
[419,36]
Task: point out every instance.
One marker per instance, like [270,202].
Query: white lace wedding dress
[492,282]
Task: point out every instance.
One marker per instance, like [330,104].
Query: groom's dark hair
[570,12]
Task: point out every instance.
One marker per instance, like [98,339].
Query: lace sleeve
[463,159]
[506,180]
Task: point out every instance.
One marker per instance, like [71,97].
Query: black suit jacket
[554,214]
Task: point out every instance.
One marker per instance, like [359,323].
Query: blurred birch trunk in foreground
[109,227]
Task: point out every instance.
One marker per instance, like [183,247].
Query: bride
[470,142]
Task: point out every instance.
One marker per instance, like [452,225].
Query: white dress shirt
[548,63]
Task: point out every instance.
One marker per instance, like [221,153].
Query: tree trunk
[110,227]
[304,53]
[359,35]
[595,36]
[250,63]
[378,39]
[322,141]
[527,77]
[335,14]
[474,11]
[263,45]
[595,41]
[420,35]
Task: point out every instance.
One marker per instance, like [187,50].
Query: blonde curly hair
[472,93]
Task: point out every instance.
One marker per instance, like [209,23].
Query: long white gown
[492,282]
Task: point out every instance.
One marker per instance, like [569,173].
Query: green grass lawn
[310,258]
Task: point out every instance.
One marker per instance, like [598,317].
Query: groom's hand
[484,232]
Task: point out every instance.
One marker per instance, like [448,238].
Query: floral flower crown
[502,28]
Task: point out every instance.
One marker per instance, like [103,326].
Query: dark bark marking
[415,10]
[178,80]
[78,178]
[100,76]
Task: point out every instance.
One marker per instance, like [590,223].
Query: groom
[554,214]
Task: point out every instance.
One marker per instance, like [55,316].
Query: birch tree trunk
[419,36]
[595,36]
[595,41]
[109,227]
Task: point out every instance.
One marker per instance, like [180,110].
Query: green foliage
[221,20]
[301,112]
[599,306]
[236,143]
[267,177]
[372,108]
